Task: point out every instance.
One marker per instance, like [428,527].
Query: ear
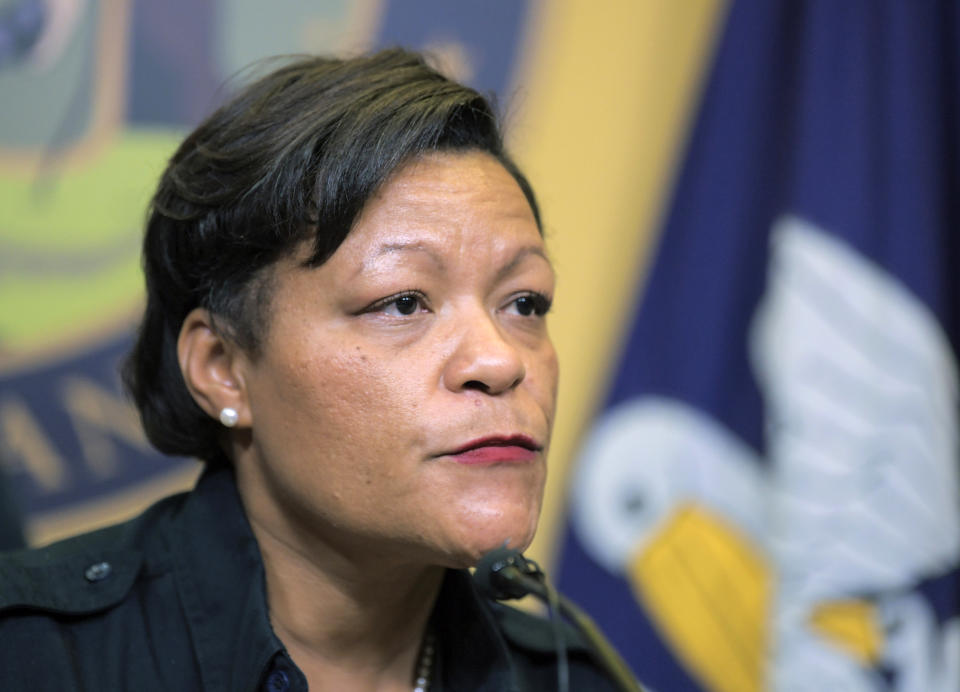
[211,367]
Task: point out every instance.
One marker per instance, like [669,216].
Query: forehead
[440,179]
[463,199]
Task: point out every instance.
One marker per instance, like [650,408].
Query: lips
[497,449]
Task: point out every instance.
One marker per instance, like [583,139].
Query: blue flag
[769,499]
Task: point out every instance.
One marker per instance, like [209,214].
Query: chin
[478,540]
[485,517]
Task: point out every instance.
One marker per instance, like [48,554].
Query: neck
[358,621]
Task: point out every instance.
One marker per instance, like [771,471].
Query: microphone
[504,574]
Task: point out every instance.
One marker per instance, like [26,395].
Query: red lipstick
[497,450]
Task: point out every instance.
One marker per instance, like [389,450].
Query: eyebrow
[390,248]
[506,269]
[411,246]
[418,246]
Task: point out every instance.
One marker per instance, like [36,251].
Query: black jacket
[175,600]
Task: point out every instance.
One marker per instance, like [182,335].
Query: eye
[531,304]
[406,305]
[400,304]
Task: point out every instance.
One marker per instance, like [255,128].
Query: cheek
[323,427]
[348,403]
[543,375]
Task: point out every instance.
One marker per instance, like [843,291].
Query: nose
[484,359]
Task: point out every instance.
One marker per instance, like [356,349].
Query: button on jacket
[175,600]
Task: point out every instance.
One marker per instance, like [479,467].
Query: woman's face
[404,395]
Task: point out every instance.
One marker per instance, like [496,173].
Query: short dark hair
[291,159]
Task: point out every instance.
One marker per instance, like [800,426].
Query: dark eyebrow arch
[508,268]
[425,248]
[414,246]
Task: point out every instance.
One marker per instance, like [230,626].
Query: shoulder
[78,614]
[86,582]
[80,575]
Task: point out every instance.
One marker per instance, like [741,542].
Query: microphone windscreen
[497,571]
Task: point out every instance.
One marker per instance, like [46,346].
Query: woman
[346,297]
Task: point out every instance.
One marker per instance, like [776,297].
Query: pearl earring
[229,416]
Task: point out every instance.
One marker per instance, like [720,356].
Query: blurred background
[752,208]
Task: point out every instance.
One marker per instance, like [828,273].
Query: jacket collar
[219,574]
[473,654]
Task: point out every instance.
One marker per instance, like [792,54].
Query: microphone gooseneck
[505,574]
